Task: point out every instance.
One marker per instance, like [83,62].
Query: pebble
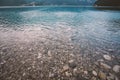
[105,66]
[65,68]
[4,49]
[110,50]
[93,78]
[110,77]
[24,74]
[107,57]
[72,64]
[102,75]
[51,75]
[39,55]
[68,74]
[116,68]
[49,53]
[75,71]
[85,72]
[94,73]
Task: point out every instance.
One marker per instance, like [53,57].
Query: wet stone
[39,55]
[85,72]
[68,74]
[72,64]
[107,57]
[105,66]
[49,53]
[51,75]
[110,77]
[94,73]
[111,50]
[116,68]
[4,49]
[102,75]
[65,68]
[93,78]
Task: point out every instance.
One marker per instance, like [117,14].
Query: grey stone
[116,68]
[105,66]
[107,57]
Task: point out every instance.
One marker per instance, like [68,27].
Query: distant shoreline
[60,6]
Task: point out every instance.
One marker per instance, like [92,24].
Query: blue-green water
[93,29]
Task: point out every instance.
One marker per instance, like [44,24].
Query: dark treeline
[107,3]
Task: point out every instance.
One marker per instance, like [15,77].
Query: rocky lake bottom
[59,50]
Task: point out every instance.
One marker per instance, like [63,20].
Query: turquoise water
[93,29]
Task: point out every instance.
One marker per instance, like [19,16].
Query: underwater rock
[102,75]
[107,57]
[72,64]
[116,68]
[105,66]
[94,73]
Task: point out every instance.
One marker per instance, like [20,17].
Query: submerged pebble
[107,57]
[105,66]
[94,73]
[116,68]
[102,75]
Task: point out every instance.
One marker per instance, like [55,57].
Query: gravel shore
[38,53]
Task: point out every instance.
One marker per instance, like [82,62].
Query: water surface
[90,28]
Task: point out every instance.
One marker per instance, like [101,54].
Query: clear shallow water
[90,28]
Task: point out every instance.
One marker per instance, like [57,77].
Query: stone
[116,78]
[4,49]
[75,71]
[68,74]
[116,68]
[107,57]
[49,53]
[93,78]
[72,64]
[51,75]
[65,68]
[39,55]
[85,72]
[110,50]
[102,75]
[110,77]
[105,66]
[94,73]
[100,60]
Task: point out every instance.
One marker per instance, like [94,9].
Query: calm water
[93,29]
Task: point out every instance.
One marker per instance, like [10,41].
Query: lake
[85,31]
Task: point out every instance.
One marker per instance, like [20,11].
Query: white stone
[107,57]
[94,73]
[39,55]
[86,72]
[116,68]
